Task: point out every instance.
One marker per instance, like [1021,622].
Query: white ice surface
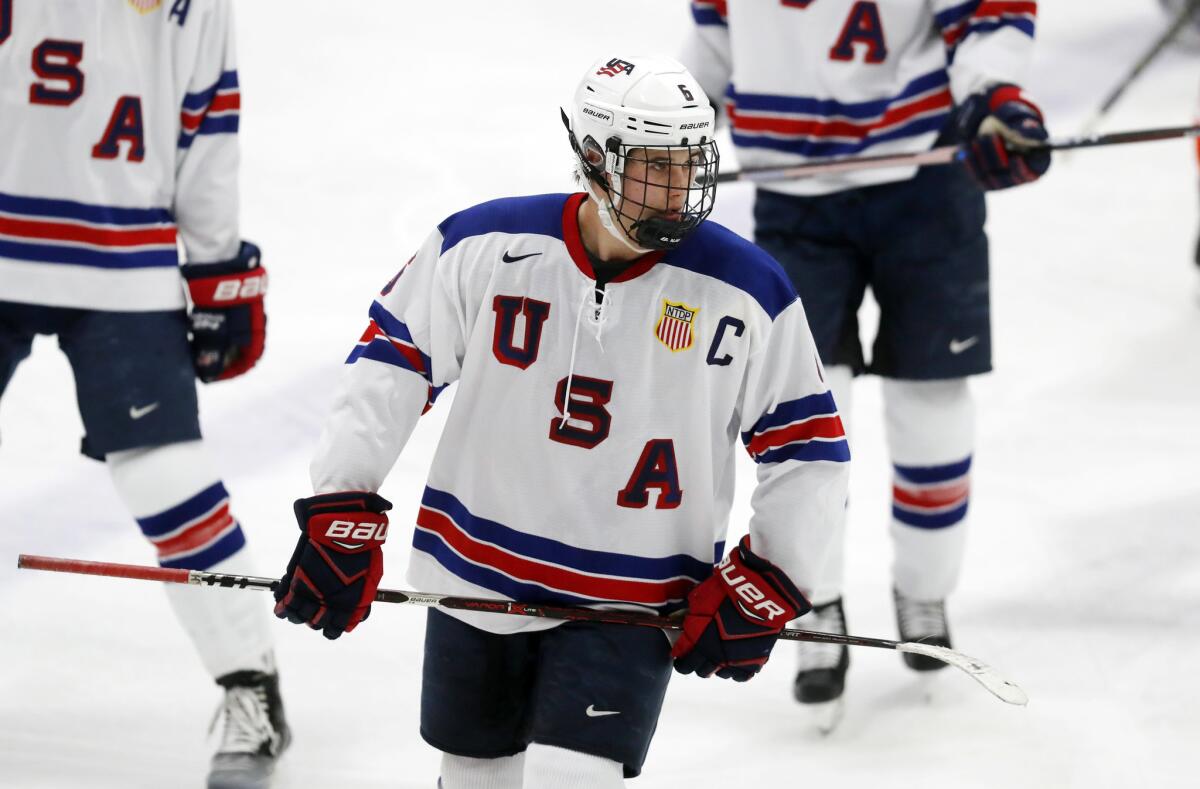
[364,124]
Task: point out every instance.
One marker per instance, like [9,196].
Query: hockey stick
[946,154]
[1153,52]
[980,672]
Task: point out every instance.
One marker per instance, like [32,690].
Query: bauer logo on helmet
[600,115]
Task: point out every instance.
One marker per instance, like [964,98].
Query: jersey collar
[574,242]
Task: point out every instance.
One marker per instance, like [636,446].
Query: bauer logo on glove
[359,533]
[765,608]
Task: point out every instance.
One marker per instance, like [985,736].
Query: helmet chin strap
[607,217]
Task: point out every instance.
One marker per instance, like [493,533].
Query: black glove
[1002,129]
[735,616]
[335,569]
[228,321]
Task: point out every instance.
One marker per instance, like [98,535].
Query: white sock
[550,767]
[464,772]
[183,509]
[930,431]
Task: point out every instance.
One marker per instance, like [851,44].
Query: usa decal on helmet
[675,325]
[614,67]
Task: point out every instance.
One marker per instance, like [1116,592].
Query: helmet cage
[664,172]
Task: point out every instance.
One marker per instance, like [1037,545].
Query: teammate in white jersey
[119,127]
[610,346]
[809,80]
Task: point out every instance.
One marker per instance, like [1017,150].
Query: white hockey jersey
[118,133]
[806,80]
[588,456]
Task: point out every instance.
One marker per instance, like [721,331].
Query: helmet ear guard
[594,161]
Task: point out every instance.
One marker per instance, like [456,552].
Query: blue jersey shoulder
[536,214]
[718,252]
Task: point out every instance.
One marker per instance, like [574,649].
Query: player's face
[655,182]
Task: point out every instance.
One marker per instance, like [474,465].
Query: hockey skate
[255,732]
[923,621]
[822,674]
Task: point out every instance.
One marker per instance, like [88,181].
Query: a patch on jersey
[675,325]
[145,6]
[614,67]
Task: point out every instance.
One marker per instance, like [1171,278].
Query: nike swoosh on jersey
[137,413]
[592,712]
[958,346]
[507,258]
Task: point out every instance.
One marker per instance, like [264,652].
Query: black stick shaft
[946,155]
[1124,138]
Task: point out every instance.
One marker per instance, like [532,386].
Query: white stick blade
[981,672]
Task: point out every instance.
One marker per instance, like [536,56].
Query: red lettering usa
[57,62]
[656,468]
[863,26]
[125,124]
[507,308]
[586,402]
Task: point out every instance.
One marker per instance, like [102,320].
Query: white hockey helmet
[641,105]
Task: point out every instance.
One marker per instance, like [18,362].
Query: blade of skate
[824,716]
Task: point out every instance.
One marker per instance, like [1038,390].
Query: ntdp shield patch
[675,325]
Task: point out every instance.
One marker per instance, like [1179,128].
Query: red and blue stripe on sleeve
[388,340]
[805,430]
[710,12]
[984,16]
[214,110]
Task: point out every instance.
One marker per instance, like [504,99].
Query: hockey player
[119,130]
[809,80]
[611,346]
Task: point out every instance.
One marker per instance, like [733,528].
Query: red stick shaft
[167,574]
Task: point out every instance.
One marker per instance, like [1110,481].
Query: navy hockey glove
[335,569]
[228,323]
[734,617]
[1001,128]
